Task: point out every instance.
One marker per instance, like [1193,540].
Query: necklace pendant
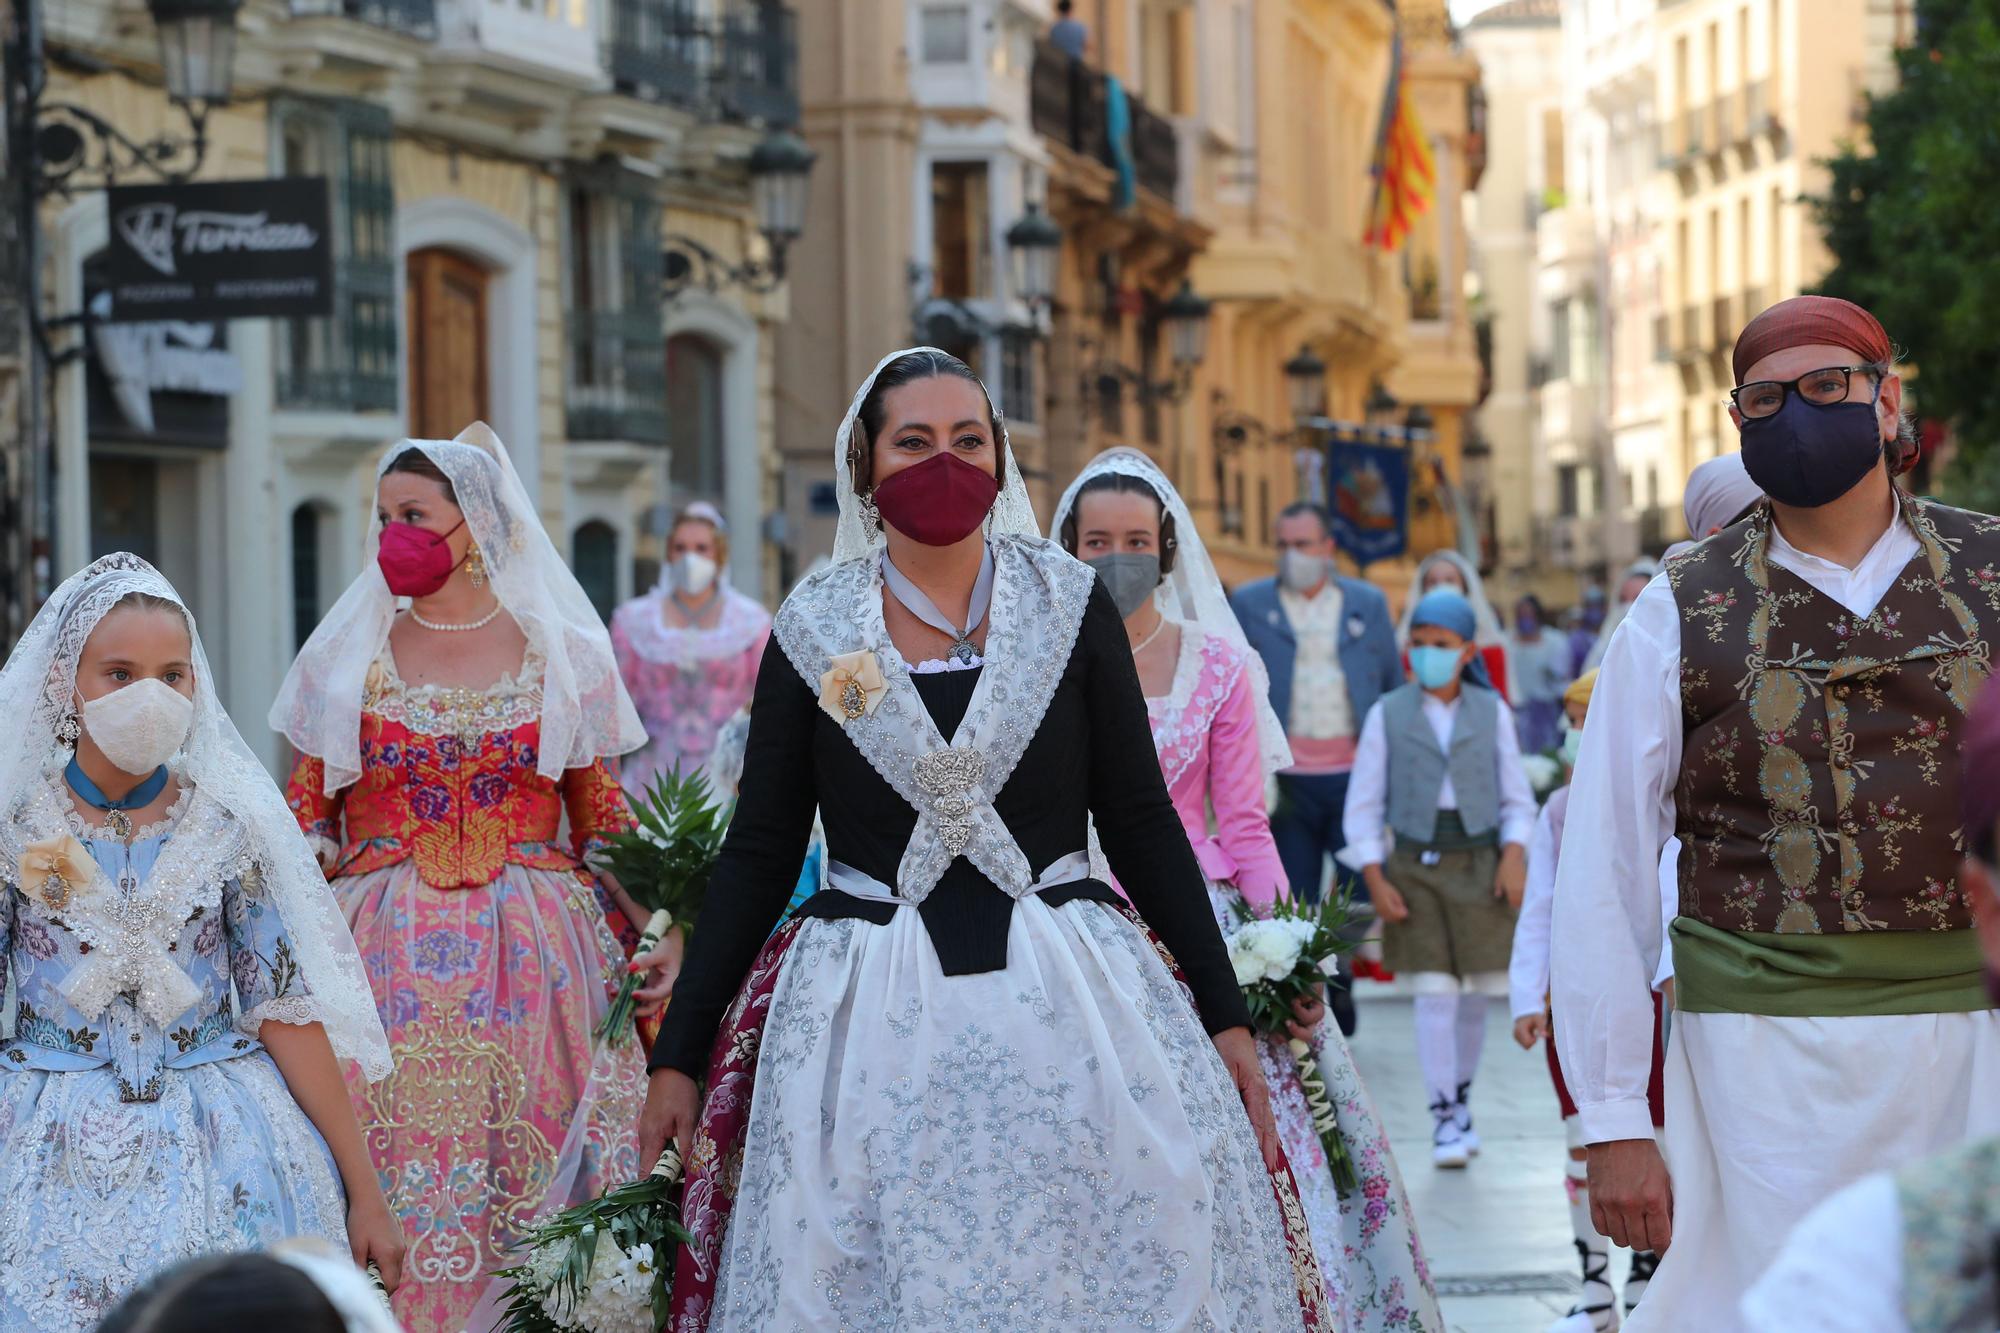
[963,651]
[119,823]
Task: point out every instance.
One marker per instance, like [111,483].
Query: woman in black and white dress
[964,1087]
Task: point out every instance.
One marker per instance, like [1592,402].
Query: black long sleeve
[1137,825]
[757,869]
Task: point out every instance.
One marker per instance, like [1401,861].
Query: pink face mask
[415,561]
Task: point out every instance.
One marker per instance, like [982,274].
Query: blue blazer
[1368,654]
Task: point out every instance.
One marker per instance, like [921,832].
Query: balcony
[1663,338]
[1722,325]
[1756,118]
[412,18]
[1722,123]
[548,36]
[744,68]
[618,370]
[1068,104]
[1689,346]
[1754,301]
[1692,129]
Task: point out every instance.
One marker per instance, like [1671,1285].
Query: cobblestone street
[1497,1233]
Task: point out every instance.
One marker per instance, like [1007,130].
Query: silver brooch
[947,776]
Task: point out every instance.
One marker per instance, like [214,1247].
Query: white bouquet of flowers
[1282,958]
[603,1266]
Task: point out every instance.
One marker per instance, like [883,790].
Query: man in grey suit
[1330,649]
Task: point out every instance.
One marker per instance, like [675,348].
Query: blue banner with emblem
[1368,497]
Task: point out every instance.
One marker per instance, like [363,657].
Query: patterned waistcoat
[1819,774]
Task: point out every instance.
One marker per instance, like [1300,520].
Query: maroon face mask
[415,561]
[939,501]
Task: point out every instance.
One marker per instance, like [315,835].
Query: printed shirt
[1321,727]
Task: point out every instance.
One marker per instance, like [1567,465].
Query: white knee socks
[1598,1300]
[1471,1035]
[1437,1045]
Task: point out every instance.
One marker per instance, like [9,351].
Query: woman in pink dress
[1218,740]
[442,750]
[688,651]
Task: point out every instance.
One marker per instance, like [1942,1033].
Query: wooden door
[447,334]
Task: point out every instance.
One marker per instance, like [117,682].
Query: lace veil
[586,713]
[1193,593]
[38,690]
[1013,513]
[1489,631]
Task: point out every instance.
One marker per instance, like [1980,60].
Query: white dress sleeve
[1670,907]
[1528,969]
[1841,1271]
[1364,819]
[1606,938]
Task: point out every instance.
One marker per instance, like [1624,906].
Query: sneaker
[1448,1151]
[1462,1113]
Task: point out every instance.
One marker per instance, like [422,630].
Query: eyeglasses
[1763,398]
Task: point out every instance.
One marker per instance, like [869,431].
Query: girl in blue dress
[185,986]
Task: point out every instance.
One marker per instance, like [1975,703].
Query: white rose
[1247,966]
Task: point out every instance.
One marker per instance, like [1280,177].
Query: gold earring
[475,567]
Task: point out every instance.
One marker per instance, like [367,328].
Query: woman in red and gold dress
[440,749]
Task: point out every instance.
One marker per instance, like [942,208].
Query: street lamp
[1305,376]
[1418,423]
[1033,241]
[1185,316]
[197,48]
[780,175]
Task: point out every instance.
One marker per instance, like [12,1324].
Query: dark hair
[1530,600]
[1301,508]
[1124,483]
[418,464]
[924,364]
[1064,6]
[245,1291]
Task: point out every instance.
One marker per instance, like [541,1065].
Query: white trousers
[1766,1117]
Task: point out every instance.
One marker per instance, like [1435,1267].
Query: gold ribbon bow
[55,872]
[852,687]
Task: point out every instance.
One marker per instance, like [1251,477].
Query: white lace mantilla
[1039,595]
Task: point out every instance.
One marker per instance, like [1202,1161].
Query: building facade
[512,195]
[1752,98]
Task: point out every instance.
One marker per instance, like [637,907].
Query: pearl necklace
[469,625]
[1146,642]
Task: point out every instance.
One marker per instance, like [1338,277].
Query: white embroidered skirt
[98,1194]
[1767,1117]
[1052,1145]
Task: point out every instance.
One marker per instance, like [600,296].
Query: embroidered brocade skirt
[1377,1276]
[501,1106]
[1052,1145]
[97,1194]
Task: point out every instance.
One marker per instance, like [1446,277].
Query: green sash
[1827,976]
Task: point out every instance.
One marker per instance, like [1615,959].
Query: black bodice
[1091,756]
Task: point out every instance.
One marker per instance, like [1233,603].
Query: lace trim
[941,666]
[297,1010]
[511,702]
[738,626]
[1204,678]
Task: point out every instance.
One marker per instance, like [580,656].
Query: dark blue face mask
[1809,454]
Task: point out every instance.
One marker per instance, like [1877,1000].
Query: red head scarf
[1804,321]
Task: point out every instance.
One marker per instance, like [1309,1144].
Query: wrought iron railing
[1068,102]
[416,18]
[743,67]
[618,370]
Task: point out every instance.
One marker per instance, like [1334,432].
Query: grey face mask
[1300,570]
[1129,577]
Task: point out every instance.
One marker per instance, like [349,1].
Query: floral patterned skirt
[97,1194]
[1052,1145]
[502,1106]
[1367,1243]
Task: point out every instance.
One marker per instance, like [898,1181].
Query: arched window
[594,557]
[694,415]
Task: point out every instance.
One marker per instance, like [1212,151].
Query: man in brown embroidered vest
[1787,699]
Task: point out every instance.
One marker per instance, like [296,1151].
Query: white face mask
[140,726]
[1301,570]
[694,573]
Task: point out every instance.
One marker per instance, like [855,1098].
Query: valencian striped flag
[1405,172]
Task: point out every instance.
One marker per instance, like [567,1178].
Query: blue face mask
[1434,668]
[1810,454]
[1572,745]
